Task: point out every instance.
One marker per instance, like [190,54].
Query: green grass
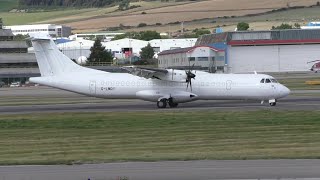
[302,14]
[65,15]
[33,17]
[7,5]
[151,136]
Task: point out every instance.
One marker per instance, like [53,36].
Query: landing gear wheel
[273,104]
[173,105]
[162,103]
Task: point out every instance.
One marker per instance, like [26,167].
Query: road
[184,170]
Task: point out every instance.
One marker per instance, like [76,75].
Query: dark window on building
[13,50]
[203,58]
[191,58]
[156,49]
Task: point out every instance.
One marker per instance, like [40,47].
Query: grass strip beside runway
[68,138]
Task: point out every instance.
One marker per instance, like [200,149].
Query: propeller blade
[192,67]
[172,74]
[187,85]
[190,85]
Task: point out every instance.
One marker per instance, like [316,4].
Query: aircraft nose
[285,91]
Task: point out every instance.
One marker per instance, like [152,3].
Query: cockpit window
[268,81]
[274,81]
[262,80]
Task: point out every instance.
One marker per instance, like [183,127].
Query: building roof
[6,32]
[186,50]
[17,58]
[13,44]
[273,42]
[289,36]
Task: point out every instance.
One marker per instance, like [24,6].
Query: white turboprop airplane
[164,86]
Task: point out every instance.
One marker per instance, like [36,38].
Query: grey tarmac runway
[293,102]
[175,170]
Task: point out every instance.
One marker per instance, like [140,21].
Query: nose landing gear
[273,102]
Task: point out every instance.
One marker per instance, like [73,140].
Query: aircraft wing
[146,72]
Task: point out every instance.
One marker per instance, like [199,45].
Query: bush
[142,25]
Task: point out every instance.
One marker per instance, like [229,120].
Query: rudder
[51,60]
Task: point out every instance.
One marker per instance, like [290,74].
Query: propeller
[190,76]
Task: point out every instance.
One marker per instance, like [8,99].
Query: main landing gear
[162,103]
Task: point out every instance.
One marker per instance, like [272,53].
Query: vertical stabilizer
[51,60]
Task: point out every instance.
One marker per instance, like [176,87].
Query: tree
[297,26]
[147,52]
[242,26]
[142,35]
[149,35]
[99,53]
[200,32]
[124,5]
[282,26]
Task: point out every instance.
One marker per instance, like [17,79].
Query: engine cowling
[174,76]
[177,96]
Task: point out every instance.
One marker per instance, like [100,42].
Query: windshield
[268,80]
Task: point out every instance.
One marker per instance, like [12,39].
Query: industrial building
[311,25]
[201,57]
[51,29]
[264,51]
[123,48]
[105,36]
[16,64]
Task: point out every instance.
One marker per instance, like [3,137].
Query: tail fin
[51,60]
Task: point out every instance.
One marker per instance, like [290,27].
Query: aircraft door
[92,87]
[228,85]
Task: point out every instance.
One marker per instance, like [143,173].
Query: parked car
[15,84]
[2,84]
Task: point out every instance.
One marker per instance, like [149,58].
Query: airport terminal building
[51,29]
[16,64]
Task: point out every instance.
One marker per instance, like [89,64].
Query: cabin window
[262,80]
[268,81]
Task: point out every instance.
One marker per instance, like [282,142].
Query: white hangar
[266,51]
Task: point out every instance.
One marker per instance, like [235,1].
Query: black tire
[273,104]
[162,103]
[173,105]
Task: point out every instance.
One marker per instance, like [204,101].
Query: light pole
[80,49]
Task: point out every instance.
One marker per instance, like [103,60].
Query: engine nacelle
[156,95]
[174,76]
